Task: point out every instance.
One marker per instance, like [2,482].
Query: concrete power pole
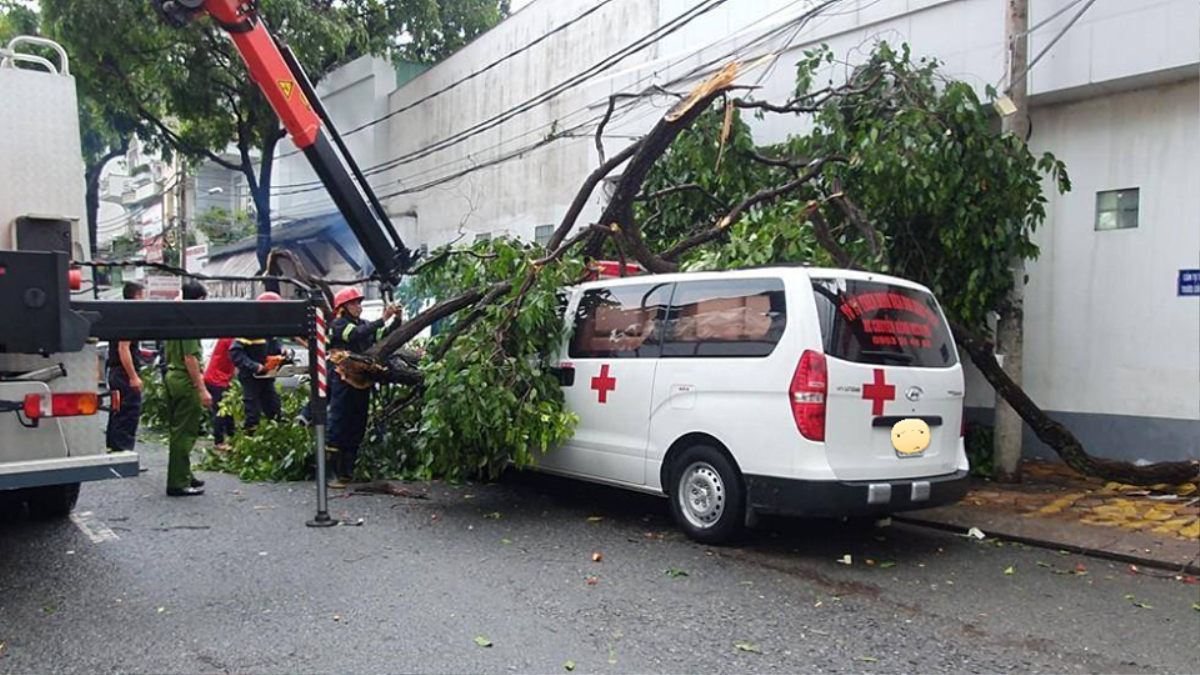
[1010,328]
[182,210]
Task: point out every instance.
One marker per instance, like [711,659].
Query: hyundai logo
[914,394]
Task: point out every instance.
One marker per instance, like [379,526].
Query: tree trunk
[1057,436]
[92,195]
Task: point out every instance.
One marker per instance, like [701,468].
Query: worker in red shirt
[217,378]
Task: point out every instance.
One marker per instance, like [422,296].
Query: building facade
[496,140]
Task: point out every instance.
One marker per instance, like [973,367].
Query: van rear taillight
[810,384]
[38,406]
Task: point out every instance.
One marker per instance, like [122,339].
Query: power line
[800,20]
[574,132]
[604,64]
[1053,41]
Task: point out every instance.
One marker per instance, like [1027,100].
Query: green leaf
[569,665]
[483,642]
[1010,570]
[747,647]
[675,572]
[886,565]
[868,659]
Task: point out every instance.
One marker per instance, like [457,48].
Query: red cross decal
[604,384]
[878,392]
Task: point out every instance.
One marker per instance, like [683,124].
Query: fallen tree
[899,172]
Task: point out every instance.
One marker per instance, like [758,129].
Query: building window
[1117,209]
[483,237]
[542,234]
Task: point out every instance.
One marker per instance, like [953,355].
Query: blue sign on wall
[1189,282]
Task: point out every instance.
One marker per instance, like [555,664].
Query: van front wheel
[707,498]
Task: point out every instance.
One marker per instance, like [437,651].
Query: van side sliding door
[614,350]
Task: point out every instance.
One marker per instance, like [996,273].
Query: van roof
[780,271]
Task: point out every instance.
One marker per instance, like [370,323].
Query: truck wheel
[707,497]
[54,501]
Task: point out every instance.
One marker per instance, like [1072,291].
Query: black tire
[707,495]
[54,501]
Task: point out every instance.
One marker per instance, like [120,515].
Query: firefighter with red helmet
[349,405]
[255,359]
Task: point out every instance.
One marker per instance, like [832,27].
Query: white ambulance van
[769,390]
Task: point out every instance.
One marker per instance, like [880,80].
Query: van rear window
[882,324]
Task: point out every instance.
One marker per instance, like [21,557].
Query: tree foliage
[222,227]
[187,91]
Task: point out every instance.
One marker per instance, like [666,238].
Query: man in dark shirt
[255,358]
[124,361]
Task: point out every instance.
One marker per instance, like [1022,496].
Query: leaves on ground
[1010,570]
[592,580]
[887,564]
[506,541]
[1196,606]
[976,533]
[595,519]
[494,515]
[675,572]
[597,557]
[483,642]
[747,647]
[569,665]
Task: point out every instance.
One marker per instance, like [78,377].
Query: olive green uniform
[183,412]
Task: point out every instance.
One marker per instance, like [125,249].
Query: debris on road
[846,560]
[483,642]
[747,647]
[675,572]
[597,557]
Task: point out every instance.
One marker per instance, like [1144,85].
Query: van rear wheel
[707,497]
[54,501]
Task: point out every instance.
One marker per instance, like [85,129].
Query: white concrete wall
[1105,332]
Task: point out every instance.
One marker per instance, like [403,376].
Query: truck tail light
[38,406]
[810,384]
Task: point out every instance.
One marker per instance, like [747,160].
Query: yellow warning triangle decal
[286,86]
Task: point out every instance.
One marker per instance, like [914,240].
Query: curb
[1186,568]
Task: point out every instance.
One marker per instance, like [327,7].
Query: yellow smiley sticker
[910,436]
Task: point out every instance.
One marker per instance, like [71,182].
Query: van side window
[735,318]
[620,322]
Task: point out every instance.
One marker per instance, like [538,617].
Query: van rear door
[890,357]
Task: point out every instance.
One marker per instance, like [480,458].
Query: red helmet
[346,295]
[270,296]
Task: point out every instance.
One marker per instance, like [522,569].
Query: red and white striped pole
[316,407]
[322,378]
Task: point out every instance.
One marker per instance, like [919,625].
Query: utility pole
[1006,451]
[182,209]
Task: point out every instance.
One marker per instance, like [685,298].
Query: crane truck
[51,436]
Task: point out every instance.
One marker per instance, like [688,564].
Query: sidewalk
[1055,508]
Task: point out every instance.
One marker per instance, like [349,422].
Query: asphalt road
[234,582]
